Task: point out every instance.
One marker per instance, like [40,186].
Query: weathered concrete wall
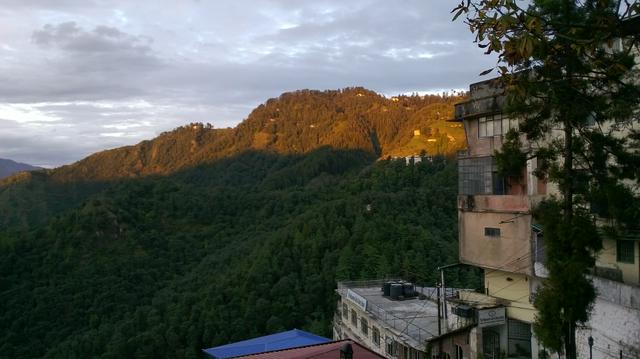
[614,328]
[497,203]
[514,288]
[617,293]
[511,251]
[607,258]
[348,330]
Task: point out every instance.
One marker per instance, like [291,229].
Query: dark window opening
[491,232]
[625,251]
[354,318]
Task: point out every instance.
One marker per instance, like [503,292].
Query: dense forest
[253,244]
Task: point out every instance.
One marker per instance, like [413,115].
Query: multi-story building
[498,234]
[396,320]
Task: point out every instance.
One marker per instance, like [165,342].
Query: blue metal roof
[284,340]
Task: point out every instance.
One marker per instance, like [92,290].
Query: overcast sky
[80,76]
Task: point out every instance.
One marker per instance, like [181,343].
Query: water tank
[386,289]
[463,311]
[408,290]
[396,290]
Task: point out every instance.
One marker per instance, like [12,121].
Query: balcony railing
[497,203]
[417,335]
[480,106]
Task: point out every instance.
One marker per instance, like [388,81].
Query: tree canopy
[161,267]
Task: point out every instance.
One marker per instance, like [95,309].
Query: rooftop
[318,351]
[414,320]
[284,340]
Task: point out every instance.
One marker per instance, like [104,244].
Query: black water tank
[396,290]
[386,289]
[407,289]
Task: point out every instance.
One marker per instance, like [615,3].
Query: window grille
[364,326]
[375,332]
[495,125]
[354,318]
[625,251]
[475,175]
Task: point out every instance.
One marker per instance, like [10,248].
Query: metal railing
[415,335]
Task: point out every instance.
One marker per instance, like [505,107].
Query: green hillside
[294,123]
[205,236]
[162,267]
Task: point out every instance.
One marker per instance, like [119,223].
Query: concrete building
[394,326]
[498,234]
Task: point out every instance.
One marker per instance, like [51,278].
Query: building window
[345,311]
[375,333]
[459,353]
[364,326]
[491,232]
[518,339]
[495,125]
[354,318]
[479,175]
[392,347]
[625,251]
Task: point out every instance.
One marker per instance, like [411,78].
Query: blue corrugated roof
[284,340]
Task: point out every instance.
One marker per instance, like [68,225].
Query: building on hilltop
[498,234]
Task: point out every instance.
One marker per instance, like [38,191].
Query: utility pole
[439,315]
[444,296]
[444,300]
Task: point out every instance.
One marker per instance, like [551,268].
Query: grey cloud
[104,63]
[102,40]
[210,62]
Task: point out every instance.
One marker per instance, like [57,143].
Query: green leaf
[460,12]
[485,72]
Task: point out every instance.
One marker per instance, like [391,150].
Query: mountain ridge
[293,123]
[10,167]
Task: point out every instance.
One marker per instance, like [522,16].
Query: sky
[81,76]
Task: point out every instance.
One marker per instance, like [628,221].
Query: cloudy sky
[79,76]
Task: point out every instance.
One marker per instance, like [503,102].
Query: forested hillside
[163,266]
[294,123]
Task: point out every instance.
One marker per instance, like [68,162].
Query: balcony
[485,97]
[476,107]
[497,203]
